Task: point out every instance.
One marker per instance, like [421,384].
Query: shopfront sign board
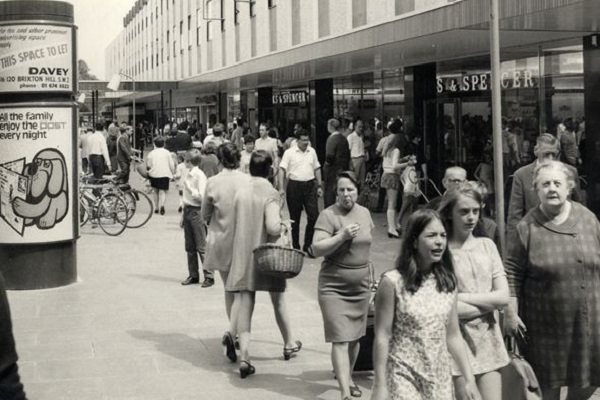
[517,79]
[36,58]
[36,171]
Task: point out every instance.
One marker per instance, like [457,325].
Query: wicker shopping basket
[279,259]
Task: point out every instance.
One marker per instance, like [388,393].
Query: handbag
[364,360]
[518,378]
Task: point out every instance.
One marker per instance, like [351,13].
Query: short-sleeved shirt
[354,252]
[194,187]
[267,144]
[300,165]
[357,145]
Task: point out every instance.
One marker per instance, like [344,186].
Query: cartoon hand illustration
[47,200]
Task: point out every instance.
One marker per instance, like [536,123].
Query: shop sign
[291,97]
[36,58]
[36,168]
[517,79]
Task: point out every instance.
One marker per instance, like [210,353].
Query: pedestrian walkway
[129,330]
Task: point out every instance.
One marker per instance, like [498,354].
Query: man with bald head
[337,159]
[454,177]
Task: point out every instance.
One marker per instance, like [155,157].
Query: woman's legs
[392,196]
[244,320]
[156,199]
[490,385]
[341,366]
[282,318]
[353,349]
[162,195]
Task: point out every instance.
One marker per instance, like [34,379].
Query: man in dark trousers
[337,159]
[10,382]
[300,174]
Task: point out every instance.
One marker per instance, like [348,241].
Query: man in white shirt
[194,229]
[300,181]
[83,147]
[98,151]
[357,152]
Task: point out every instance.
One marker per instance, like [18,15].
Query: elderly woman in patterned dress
[554,272]
[416,324]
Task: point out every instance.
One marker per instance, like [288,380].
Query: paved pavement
[128,330]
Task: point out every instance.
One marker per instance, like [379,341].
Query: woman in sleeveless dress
[416,322]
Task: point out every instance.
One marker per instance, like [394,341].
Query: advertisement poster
[36,168]
[36,58]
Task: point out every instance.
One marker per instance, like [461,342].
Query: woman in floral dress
[416,323]
[482,290]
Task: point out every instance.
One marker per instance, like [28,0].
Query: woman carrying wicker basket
[343,237]
[257,221]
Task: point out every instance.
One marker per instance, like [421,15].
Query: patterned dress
[476,264]
[418,365]
[554,270]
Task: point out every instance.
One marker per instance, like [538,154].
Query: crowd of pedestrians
[447,303]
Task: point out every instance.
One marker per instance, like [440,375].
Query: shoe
[237,342]
[287,352]
[208,283]
[246,369]
[156,211]
[180,209]
[355,391]
[190,281]
[393,235]
[229,348]
[162,211]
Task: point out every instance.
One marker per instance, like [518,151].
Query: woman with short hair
[343,237]
[161,168]
[553,270]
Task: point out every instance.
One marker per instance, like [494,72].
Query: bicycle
[139,205]
[109,211]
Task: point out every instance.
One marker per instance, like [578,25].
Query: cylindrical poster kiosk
[38,144]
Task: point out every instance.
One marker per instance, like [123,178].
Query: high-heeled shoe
[246,369]
[229,347]
[393,235]
[287,352]
[355,391]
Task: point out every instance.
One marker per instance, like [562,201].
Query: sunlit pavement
[129,330]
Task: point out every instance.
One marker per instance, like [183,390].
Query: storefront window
[393,94]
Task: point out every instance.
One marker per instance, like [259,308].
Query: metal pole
[134,125]
[497,120]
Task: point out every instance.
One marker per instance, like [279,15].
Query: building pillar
[591,85]
[321,109]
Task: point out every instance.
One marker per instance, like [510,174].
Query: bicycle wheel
[112,214]
[84,206]
[139,207]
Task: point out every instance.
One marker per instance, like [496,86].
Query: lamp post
[113,85]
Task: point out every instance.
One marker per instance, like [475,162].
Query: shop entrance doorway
[457,131]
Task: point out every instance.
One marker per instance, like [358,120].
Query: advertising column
[38,144]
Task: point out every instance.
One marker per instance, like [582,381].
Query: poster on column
[36,170]
[36,58]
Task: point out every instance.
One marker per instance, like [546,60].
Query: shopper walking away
[161,167]
[124,157]
[218,213]
[337,159]
[300,174]
[553,268]
[416,324]
[257,221]
[482,290]
[98,152]
[357,152]
[194,229]
[343,235]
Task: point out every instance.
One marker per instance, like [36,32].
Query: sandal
[287,352]
[355,391]
[229,347]
[246,369]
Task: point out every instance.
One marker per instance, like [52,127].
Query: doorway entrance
[458,132]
